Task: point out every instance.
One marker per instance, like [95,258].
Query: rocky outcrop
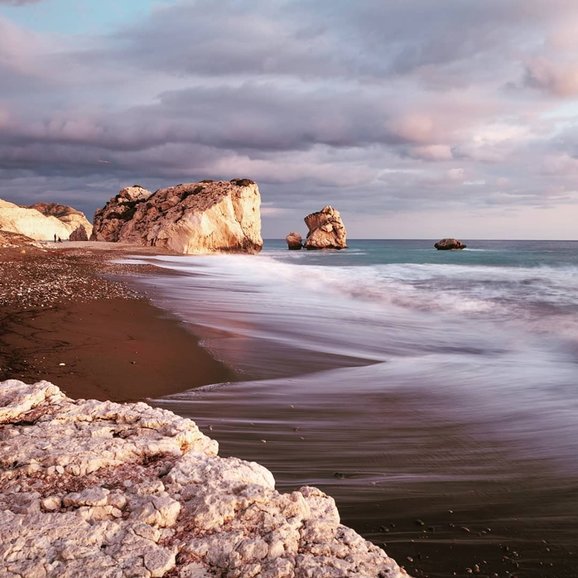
[204,217]
[79,234]
[326,230]
[449,245]
[111,219]
[43,221]
[77,224]
[14,240]
[294,241]
[94,488]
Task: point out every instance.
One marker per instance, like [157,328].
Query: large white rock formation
[43,221]
[326,230]
[205,217]
[91,488]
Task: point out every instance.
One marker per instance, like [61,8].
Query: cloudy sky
[415,118]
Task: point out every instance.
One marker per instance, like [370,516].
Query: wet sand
[67,316]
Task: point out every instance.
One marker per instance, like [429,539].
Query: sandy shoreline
[68,317]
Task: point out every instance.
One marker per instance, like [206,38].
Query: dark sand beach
[68,317]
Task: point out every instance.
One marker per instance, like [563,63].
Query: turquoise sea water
[434,394]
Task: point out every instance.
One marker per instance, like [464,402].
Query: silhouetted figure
[55,237]
[59,240]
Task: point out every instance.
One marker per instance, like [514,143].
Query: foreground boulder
[294,241]
[205,217]
[326,230]
[94,488]
[449,245]
[42,221]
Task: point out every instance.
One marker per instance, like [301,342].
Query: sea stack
[326,230]
[294,241]
[193,218]
[449,245]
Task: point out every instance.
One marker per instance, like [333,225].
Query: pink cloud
[555,78]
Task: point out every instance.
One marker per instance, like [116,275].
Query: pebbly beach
[68,316]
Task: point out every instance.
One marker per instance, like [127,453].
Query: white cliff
[93,488]
[42,221]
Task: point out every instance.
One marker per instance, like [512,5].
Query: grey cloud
[374,105]
[20,2]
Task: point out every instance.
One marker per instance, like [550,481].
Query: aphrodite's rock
[43,221]
[205,217]
[92,488]
[294,241]
[449,245]
[326,230]
[110,220]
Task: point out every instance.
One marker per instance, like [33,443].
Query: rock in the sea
[93,488]
[42,221]
[205,217]
[326,230]
[294,241]
[449,245]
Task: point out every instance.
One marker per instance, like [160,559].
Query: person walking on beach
[55,237]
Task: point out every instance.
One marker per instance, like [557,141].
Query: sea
[432,394]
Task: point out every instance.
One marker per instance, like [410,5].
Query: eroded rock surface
[326,230]
[101,489]
[205,217]
[111,219]
[42,221]
[449,245]
[13,240]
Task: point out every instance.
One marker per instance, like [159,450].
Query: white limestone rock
[193,218]
[42,221]
[102,489]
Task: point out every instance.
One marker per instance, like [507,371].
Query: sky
[414,118]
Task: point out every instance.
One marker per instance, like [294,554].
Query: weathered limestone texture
[205,217]
[449,245]
[42,221]
[294,241]
[101,489]
[326,230]
[110,220]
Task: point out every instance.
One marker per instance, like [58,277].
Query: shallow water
[433,394]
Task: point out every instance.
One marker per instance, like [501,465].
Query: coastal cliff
[204,217]
[102,489]
[44,221]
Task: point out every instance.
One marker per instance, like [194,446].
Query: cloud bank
[381,108]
